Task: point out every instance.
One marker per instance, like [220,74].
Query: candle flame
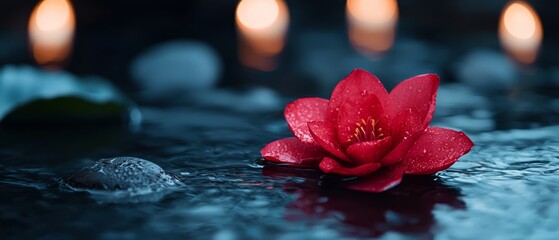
[257,14]
[372,24]
[262,26]
[51,32]
[520,31]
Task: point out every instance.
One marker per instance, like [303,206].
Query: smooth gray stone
[122,173]
[177,65]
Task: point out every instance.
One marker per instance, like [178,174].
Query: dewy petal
[304,110]
[369,152]
[398,153]
[437,149]
[293,152]
[379,181]
[405,128]
[418,93]
[358,82]
[329,165]
[324,135]
[354,110]
[405,123]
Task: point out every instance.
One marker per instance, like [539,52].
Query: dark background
[110,34]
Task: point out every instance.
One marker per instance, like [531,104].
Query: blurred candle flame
[51,32]
[262,27]
[372,25]
[520,31]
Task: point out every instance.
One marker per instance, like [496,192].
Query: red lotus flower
[365,132]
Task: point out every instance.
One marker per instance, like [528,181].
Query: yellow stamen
[366,130]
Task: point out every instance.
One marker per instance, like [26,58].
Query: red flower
[365,132]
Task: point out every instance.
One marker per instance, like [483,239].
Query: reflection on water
[506,186]
[408,208]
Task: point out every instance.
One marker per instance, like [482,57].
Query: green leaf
[30,95]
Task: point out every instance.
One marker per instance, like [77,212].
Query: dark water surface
[506,188]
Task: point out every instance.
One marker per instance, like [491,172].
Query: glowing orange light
[51,31]
[262,27]
[520,31]
[372,24]
[257,14]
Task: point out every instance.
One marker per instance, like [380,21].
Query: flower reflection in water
[406,209]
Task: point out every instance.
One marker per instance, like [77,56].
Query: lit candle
[520,31]
[51,32]
[262,27]
[372,25]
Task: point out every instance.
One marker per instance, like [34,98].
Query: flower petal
[369,152]
[418,93]
[437,149]
[293,152]
[379,181]
[406,128]
[356,83]
[329,165]
[406,123]
[355,110]
[300,112]
[324,135]
[399,152]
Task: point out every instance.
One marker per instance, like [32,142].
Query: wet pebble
[122,173]
[177,65]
